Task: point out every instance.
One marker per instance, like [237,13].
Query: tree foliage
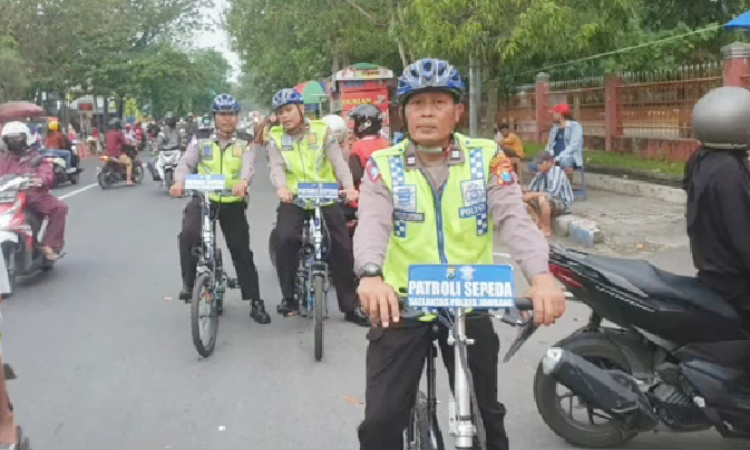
[126,48]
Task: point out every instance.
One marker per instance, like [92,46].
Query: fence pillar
[612,111]
[736,63]
[543,121]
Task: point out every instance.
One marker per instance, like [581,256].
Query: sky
[219,41]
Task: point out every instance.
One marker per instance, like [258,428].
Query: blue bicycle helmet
[285,97]
[429,74]
[225,103]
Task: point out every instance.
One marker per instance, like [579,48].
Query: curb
[635,188]
[583,231]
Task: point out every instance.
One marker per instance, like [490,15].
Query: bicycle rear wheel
[204,317]
[319,305]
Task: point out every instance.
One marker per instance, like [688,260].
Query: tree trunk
[394,30]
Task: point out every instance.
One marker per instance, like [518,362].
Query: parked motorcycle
[20,238]
[112,171]
[678,357]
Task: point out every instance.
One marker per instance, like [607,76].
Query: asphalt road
[105,357]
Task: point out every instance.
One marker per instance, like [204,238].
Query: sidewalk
[627,223]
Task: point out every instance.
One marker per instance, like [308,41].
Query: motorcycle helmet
[16,136]
[53,125]
[368,120]
[720,119]
[170,119]
[287,96]
[115,124]
[429,74]
[338,127]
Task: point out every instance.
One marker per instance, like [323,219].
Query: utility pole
[475,78]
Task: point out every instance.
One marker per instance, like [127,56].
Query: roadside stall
[360,84]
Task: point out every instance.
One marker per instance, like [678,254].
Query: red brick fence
[648,114]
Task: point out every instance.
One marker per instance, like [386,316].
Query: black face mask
[16,146]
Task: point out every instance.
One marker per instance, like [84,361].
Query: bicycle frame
[312,263]
[462,426]
[465,421]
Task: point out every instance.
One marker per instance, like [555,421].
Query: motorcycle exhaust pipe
[612,391]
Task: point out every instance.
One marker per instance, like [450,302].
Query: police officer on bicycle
[223,151]
[410,213]
[302,150]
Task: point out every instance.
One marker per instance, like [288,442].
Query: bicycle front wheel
[319,305]
[418,435]
[204,316]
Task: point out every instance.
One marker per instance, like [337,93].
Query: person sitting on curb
[565,141]
[549,194]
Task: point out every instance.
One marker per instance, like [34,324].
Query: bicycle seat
[659,283]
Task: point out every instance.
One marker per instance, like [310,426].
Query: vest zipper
[437,197]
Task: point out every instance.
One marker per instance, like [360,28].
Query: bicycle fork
[460,416]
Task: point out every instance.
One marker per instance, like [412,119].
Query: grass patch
[617,160]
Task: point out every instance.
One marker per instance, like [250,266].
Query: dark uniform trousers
[233,222]
[395,362]
[289,224]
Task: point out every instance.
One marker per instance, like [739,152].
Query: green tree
[13,79]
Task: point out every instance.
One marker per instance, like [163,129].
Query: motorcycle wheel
[597,349]
[74,178]
[104,179]
[60,176]
[168,179]
[138,174]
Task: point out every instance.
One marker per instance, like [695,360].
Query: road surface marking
[78,191]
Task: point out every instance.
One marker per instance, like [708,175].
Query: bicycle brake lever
[525,329]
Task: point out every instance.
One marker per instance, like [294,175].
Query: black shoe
[357,317]
[258,312]
[186,294]
[288,308]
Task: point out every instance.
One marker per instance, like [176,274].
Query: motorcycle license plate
[204,183]
[318,191]
[461,286]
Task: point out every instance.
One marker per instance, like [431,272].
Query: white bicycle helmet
[15,130]
[338,126]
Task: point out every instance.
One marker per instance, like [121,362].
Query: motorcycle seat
[659,283]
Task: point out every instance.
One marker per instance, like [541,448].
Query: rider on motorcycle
[170,137]
[21,160]
[57,144]
[224,151]
[303,150]
[368,120]
[434,158]
[116,144]
[718,188]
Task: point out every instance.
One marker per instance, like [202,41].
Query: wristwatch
[371,270]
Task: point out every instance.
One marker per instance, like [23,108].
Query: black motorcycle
[677,359]
[113,171]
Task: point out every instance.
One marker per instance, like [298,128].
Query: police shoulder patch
[373,172]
